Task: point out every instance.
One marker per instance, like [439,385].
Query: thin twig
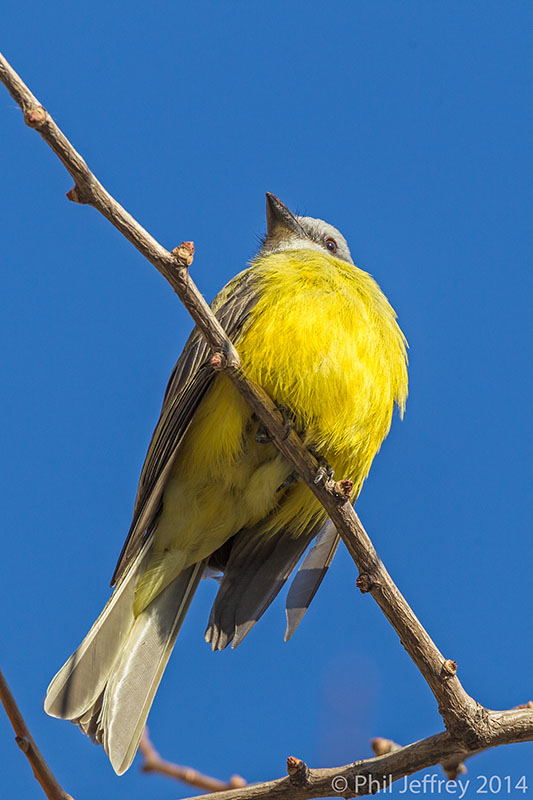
[154,763]
[469,725]
[25,741]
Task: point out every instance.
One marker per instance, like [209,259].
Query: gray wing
[256,570]
[310,575]
[189,381]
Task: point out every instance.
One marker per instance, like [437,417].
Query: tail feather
[89,722]
[78,684]
[108,685]
[135,678]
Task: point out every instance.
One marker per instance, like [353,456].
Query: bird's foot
[263,436]
[324,471]
[292,478]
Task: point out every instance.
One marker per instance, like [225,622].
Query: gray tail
[108,685]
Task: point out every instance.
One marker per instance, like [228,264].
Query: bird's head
[285,231]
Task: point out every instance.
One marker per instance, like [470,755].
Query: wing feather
[256,570]
[310,575]
[189,381]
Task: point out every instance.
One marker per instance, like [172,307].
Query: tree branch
[453,767]
[366,777]
[154,763]
[470,727]
[25,741]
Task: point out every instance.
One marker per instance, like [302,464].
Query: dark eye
[331,244]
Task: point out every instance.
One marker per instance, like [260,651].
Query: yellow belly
[323,341]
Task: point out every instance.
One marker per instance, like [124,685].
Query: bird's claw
[292,478]
[323,472]
[264,437]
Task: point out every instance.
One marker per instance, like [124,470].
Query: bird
[216,497]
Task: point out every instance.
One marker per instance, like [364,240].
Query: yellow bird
[216,496]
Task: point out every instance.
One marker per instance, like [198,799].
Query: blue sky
[408,126]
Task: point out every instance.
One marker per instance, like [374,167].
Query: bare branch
[154,763]
[366,777]
[452,766]
[470,727]
[89,190]
[25,741]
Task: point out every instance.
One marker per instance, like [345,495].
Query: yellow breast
[324,341]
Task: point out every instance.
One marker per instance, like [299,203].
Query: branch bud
[184,254]
[449,667]
[35,117]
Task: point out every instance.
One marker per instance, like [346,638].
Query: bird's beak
[280,221]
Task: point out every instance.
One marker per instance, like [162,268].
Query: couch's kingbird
[214,494]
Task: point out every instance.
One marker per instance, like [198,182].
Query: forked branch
[372,774]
